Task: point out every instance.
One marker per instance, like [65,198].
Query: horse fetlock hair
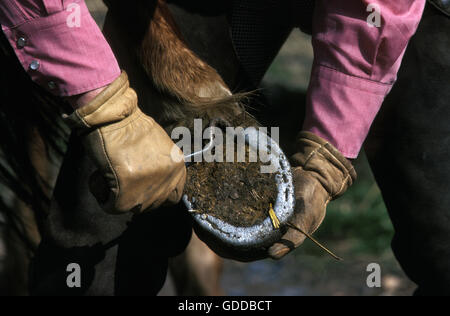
[191,88]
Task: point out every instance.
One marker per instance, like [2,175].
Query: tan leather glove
[320,174]
[139,167]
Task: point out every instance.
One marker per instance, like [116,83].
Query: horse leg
[202,42]
[21,245]
[197,271]
[409,152]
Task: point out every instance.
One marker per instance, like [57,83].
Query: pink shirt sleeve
[355,65]
[59,44]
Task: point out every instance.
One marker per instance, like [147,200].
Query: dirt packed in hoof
[237,193]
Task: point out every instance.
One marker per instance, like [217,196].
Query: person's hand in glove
[321,173]
[139,167]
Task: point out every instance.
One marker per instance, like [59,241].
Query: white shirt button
[21,42]
[35,65]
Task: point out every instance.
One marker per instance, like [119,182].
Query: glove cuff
[115,103]
[327,164]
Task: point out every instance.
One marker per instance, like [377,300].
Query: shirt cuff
[341,108]
[65,52]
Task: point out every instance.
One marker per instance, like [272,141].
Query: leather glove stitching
[348,167]
[123,123]
[344,183]
[311,155]
[149,121]
[341,167]
[336,161]
[345,172]
[110,165]
[77,114]
[322,218]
